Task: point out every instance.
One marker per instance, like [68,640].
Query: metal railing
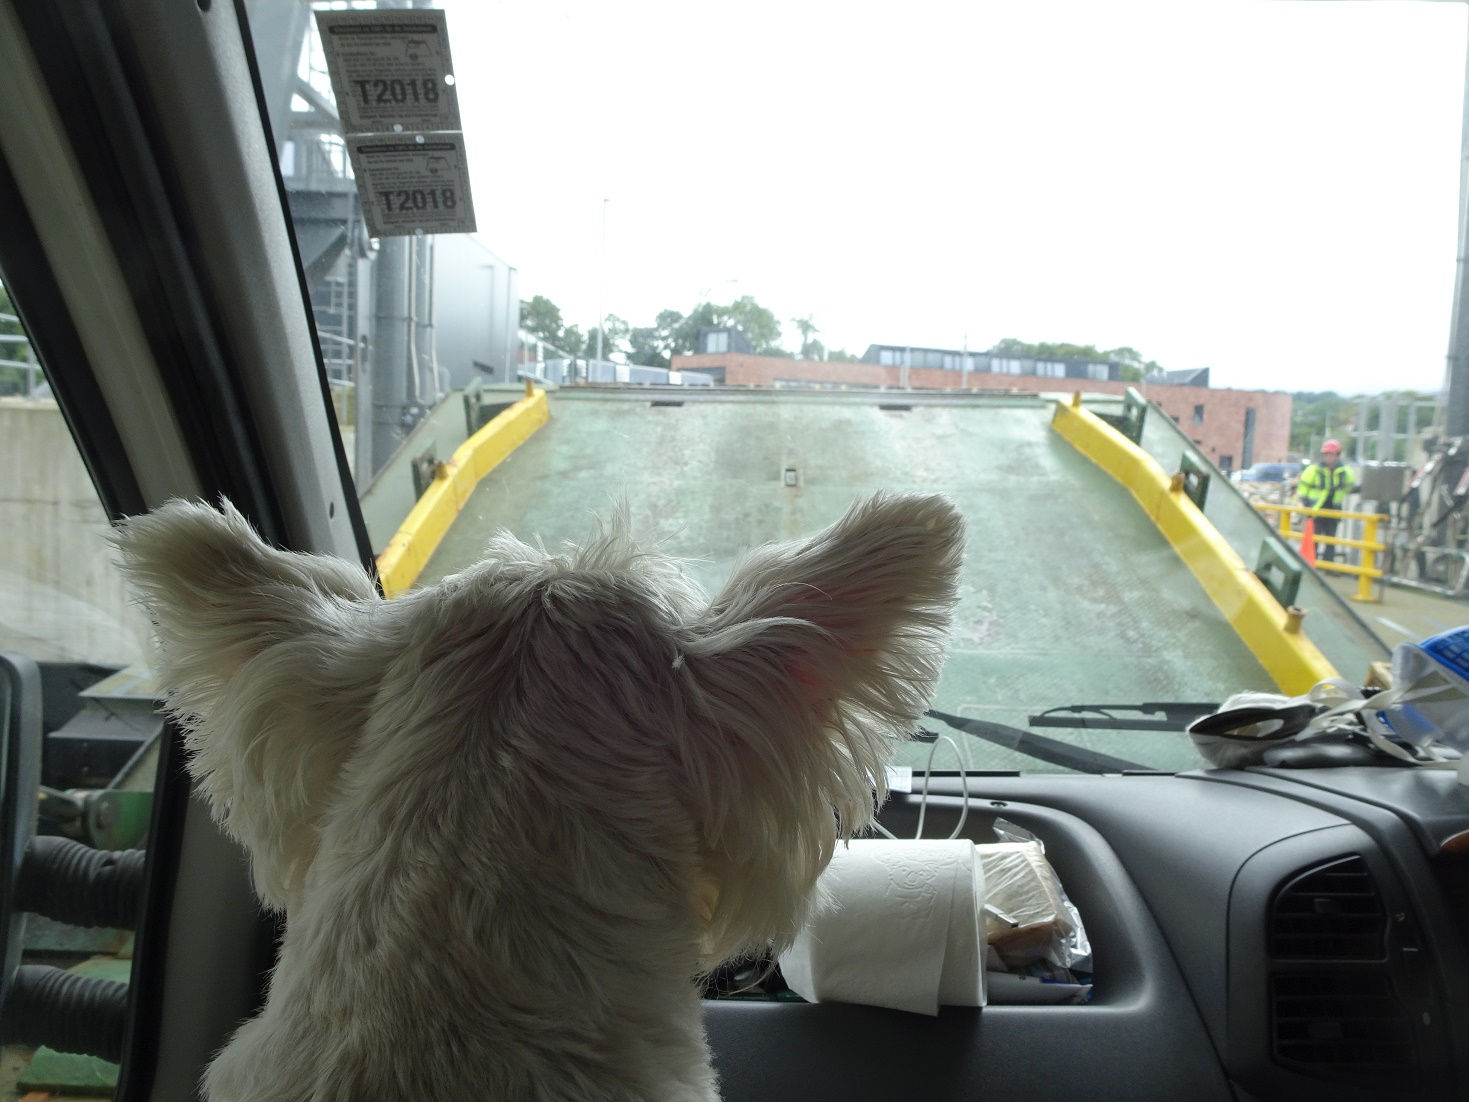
[1367,571]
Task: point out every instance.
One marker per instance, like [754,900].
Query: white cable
[964,767]
[927,779]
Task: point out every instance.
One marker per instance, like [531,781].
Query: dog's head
[731,741]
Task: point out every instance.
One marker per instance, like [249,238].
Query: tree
[755,321]
[571,342]
[841,355]
[675,334]
[1317,414]
[645,347]
[683,334]
[541,318]
[1132,368]
[811,347]
[614,337]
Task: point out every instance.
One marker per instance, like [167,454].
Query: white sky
[1268,188]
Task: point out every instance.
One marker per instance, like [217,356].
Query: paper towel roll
[902,929]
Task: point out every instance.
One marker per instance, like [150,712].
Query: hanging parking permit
[390,70]
[412,183]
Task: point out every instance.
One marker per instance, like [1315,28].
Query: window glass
[408,326]
[74,645]
[602,258]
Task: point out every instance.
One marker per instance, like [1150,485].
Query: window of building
[1198,415]
[1226,463]
[717,341]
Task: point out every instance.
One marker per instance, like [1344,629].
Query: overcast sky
[1267,188]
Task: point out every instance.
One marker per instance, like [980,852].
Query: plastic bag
[1252,728]
[1028,917]
[1429,699]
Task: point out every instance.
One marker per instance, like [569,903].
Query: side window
[420,335]
[79,724]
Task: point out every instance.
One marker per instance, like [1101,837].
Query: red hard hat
[1330,447]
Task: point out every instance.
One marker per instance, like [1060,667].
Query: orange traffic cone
[1308,541]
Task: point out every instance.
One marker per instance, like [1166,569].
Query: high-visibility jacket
[1325,487]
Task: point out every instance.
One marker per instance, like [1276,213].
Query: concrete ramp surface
[1069,595]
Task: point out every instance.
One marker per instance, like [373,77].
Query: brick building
[1233,428]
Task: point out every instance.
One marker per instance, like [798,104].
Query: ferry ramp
[1069,595]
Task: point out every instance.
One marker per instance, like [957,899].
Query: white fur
[511,817]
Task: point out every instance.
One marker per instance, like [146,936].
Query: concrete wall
[1219,434]
[60,598]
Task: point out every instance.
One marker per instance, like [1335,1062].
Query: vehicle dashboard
[1257,934]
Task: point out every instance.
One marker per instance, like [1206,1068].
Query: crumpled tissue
[901,928]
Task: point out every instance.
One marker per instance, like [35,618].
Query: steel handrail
[1369,545]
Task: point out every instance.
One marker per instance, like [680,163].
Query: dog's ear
[813,661]
[261,657]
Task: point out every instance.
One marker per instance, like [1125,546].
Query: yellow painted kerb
[418,536]
[1285,651]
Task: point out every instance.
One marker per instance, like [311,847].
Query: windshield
[1156,293]
[753,269]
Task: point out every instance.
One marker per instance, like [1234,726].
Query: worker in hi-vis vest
[1325,484]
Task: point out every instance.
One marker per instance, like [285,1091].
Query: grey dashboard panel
[1382,964]
[1176,878]
[1141,1018]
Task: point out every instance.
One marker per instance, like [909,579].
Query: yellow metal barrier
[1367,572]
[1272,634]
[418,536]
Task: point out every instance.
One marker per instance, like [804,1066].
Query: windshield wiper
[1040,747]
[1177,714]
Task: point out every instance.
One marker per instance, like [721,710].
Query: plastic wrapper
[1030,924]
[1024,916]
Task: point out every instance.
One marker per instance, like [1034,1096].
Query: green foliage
[675,334]
[811,346]
[614,338]
[571,342]
[541,318]
[645,346]
[755,321]
[1132,368]
[1316,415]
[1319,414]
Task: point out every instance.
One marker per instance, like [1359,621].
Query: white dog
[510,818]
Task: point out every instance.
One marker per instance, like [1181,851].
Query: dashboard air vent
[1327,913]
[1343,1022]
